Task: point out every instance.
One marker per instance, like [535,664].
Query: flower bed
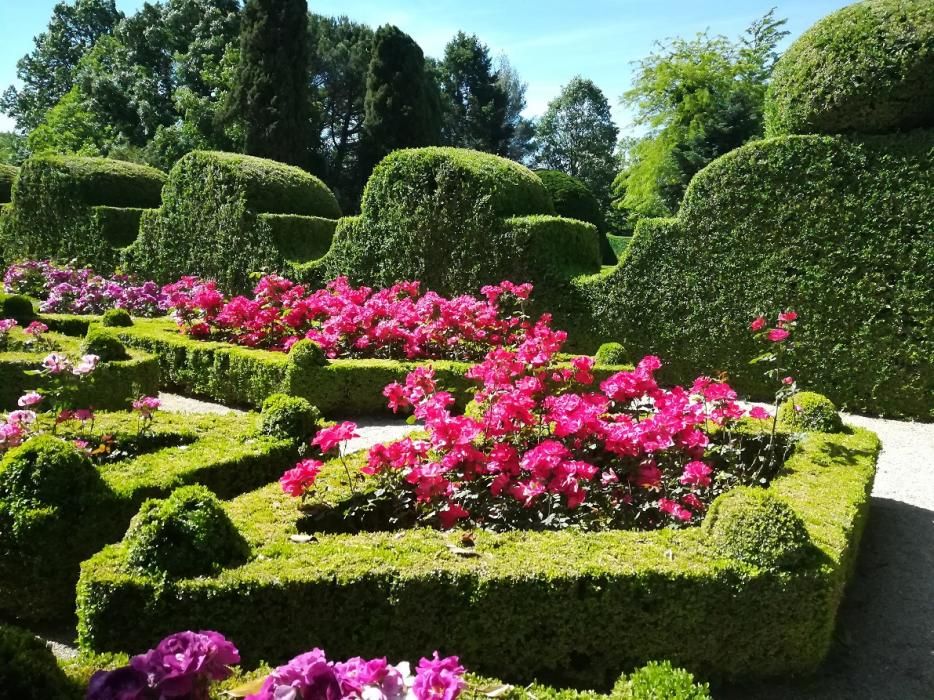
[505,601]
[81,505]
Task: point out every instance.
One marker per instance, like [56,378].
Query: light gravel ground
[183,404]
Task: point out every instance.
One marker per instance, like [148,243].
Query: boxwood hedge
[866,68]
[574,200]
[8,174]
[565,606]
[39,558]
[71,207]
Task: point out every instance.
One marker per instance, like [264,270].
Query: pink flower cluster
[782,329]
[346,321]
[548,448]
[310,676]
[17,427]
[70,289]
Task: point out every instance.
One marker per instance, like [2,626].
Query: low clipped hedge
[39,557]
[8,174]
[836,228]
[225,216]
[29,670]
[866,68]
[574,200]
[510,607]
[77,208]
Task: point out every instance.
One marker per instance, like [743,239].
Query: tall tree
[474,103]
[11,148]
[271,92]
[520,146]
[577,135]
[699,99]
[402,105]
[48,72]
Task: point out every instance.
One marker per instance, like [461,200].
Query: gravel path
[183,404]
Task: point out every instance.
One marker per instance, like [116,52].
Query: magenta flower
[696,473]
[308,676]
[125,683]
[182,661]
[758,323]
[787,317]
[329,438]
[56,363]
[301,477]
[674,509]
[777,335]
[439,679]
[6,325]
[29,399]
[759,413]
[36,329]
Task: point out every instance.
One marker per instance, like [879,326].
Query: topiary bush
[287,416]
[807,410]
[611,354]
[103,343]
[659,681]
[116,318]
[16,306]
[187,534]
[306,354]
[28,669]
[213,221]
[76,208]
[8,174]
[572,199]
[866,68]
[753,526]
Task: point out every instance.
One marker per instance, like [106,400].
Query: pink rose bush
[779,346]
[397,322]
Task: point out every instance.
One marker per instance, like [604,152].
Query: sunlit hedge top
[867,68]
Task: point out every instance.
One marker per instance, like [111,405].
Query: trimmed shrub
[186,534]
[574,200]
[116,318]
[16,306]
[866,68]
[306,354]
[611,354]
[211,221]
[103,343]
[836,228]
[807,410]
[287,416]
[8,174]
[753,526]
[659,681]
[64,209]
[29,670]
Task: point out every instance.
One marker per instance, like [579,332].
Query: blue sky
[548,41]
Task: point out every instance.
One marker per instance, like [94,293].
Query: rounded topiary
[103,343]
[287,416]
[116,318]
[866,68]
[810,411]
[574,200]
[306,354]
[753,526]
[187,534]
[611,354]
[28,669]
[659,681]
[16,306]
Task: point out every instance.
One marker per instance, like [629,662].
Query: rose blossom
[777,335]
[29,399]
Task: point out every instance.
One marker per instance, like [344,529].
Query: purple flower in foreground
[185,660]
[439,679]
[308,676]
[125,683]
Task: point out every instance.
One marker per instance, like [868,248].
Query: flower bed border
[608,601]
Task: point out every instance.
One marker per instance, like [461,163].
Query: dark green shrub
[8,174]
[753,526]
[16,306]
[807,410]
[659,681]
[573,200]
[306,354]
[56,203]
[287,416]
[28,669]
[611,354]
[867,68]
[186,534]
[211,221]
[116,318]
[103,343]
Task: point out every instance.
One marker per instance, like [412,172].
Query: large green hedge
[213,221]
[39,557]
[837,228]
[8,174]
[574,200]
[565,606]
[70,207]
[867,68]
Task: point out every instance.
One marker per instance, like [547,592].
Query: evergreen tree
[271,92]
[402,105]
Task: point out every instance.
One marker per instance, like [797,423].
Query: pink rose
[777,335]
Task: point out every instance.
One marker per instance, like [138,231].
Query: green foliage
[28,669]
[16,306]
[70,128]
[611,354]
[573,200]
[402,106]
[63,208]
[299,238]
[116,318]
[579,617]
[287,416]
[102,342]
[576,135]
[270,94]
[807,410]
[210,223]
[753,526]
[306,354]
[659,681]
[11,148]
[186,534]
[8,174]
[823,225]
[866,68]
